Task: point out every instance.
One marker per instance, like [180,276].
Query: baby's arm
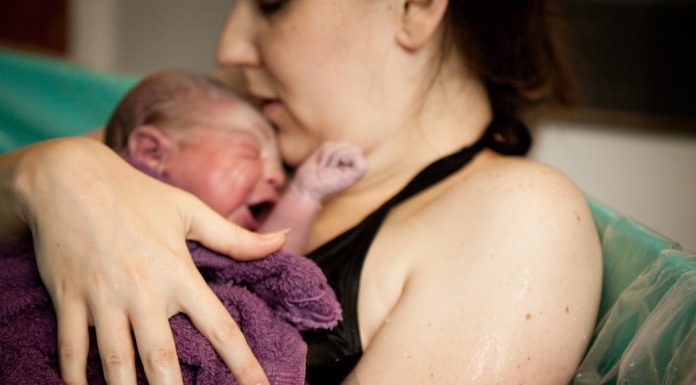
[330,169]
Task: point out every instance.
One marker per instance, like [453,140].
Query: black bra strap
[437,171]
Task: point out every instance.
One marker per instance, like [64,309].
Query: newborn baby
[193,133]
[196,134]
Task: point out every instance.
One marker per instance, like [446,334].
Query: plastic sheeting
[647,328]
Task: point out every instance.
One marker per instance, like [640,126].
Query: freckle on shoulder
[522,175]
[517,184]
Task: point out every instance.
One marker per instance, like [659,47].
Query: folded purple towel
[269,298]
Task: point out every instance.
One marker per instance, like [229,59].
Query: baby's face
[231,163]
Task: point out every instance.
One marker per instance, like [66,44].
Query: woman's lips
[269,105]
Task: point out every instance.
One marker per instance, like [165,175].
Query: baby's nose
[275,177]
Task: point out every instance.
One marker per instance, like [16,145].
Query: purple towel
[271,299]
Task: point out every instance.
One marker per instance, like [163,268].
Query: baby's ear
[149,146]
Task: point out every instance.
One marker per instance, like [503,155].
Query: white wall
[143,36]
[649,175]
[646,174]
[92,32]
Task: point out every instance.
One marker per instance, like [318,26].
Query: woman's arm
[505,291]
[10,213]
[97,135]
[110,249]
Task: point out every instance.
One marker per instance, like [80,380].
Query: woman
[483,268]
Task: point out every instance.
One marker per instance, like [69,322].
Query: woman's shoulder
[508,202]
[506,251]
[513,185]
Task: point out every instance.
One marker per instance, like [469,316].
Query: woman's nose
[237,47]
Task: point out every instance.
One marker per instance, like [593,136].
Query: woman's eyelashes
[269,7]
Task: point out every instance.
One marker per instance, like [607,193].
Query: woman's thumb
[215,232]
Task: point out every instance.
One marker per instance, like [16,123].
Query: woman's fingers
[211,318]
[73,343]
[156,347]
[212,230]
[123,250]
[115,346]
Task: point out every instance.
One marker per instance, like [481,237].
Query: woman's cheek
[296,147]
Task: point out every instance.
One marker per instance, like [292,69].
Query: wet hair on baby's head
[166,100]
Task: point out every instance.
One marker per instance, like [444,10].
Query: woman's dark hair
[512,46]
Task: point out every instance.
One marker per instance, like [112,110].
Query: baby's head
[200,136]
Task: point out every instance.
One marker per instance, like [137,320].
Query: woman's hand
[110,248]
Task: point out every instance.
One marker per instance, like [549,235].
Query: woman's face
[321,68]
[230,162]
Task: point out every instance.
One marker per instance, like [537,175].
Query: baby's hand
[330,169]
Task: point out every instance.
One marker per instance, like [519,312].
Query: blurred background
[630,143]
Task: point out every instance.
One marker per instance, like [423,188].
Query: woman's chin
[292,160]
[294,152]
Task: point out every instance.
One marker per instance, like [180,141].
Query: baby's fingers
[330,153]
[211,318]
[349,156]
[344,156]
[73,343]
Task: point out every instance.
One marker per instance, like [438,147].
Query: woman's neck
[453,114]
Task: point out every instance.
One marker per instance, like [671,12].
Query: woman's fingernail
[274,235]
[277,233]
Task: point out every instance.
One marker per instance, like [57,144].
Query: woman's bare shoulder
[514,216]
[507,262]
[519,178]
[509,191]
[509,215]
[507,203]
[513,192]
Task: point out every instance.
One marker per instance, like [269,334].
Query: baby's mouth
[260,211]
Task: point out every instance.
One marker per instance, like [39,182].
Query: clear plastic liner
[646,332]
